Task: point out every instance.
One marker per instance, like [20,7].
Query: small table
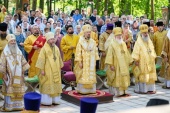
[101,79]
[1,96]
[32,83]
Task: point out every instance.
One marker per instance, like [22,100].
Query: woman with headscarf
[127,36]
[20,39]
[58,36]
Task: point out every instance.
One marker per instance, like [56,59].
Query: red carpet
[74,97]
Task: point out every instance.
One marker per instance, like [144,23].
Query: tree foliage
[119,7]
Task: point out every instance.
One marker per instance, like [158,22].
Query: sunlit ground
[119,104]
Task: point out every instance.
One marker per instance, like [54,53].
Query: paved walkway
[119,104]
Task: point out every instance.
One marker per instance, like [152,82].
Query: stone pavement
[119,104]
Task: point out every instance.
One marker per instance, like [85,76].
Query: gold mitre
[143,28]
[86,28]
[117,31]
[49,35]
[10,37]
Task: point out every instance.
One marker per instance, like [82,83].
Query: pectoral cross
[149,51]
[15,62]
[8,55]
[122,51]
[54,58]
[89,48]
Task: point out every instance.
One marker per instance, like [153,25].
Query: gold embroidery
[149,51]
[15,63]
[37,42]
[122,51]
[14,105]
[39,50]
[8,55]
[41,44]
[51,89]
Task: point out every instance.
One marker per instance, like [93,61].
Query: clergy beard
[12,48]
[71,32]
[36,34]
[3,36]
[52,45]
[119,41]
[87,37]
[145,38]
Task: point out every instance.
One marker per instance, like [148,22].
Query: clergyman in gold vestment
[102,39]
[68,43]
[32,46]
[93,35]
[166,58]
[158,42]
[13,65]
[85,66]
[3,41]
[118,60]
[159,38]
[144,56]
[50,64]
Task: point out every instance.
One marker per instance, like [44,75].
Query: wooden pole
[41,4]
[79,5]
[168,10]
[152,9]
[16,5]
[34,4]
[50,5]
[119,8]
[54,5]
[131,7]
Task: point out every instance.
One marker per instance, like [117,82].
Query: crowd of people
[31,41]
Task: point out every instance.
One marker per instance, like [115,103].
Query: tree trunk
[125,7]
[42,5]
[106,5]
[21,5]
[16,5]
[47,2]
[97,4]
[119,8]
[110,7]
[76,4]
[122,7]
[34,4]
[50,5]
[131,7]
[152,9]
[147,8]
[63,5]
[54,6]
[6,4]
[79,5]
[168,10]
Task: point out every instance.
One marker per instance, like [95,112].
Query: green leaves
[139,7]
[119,7]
